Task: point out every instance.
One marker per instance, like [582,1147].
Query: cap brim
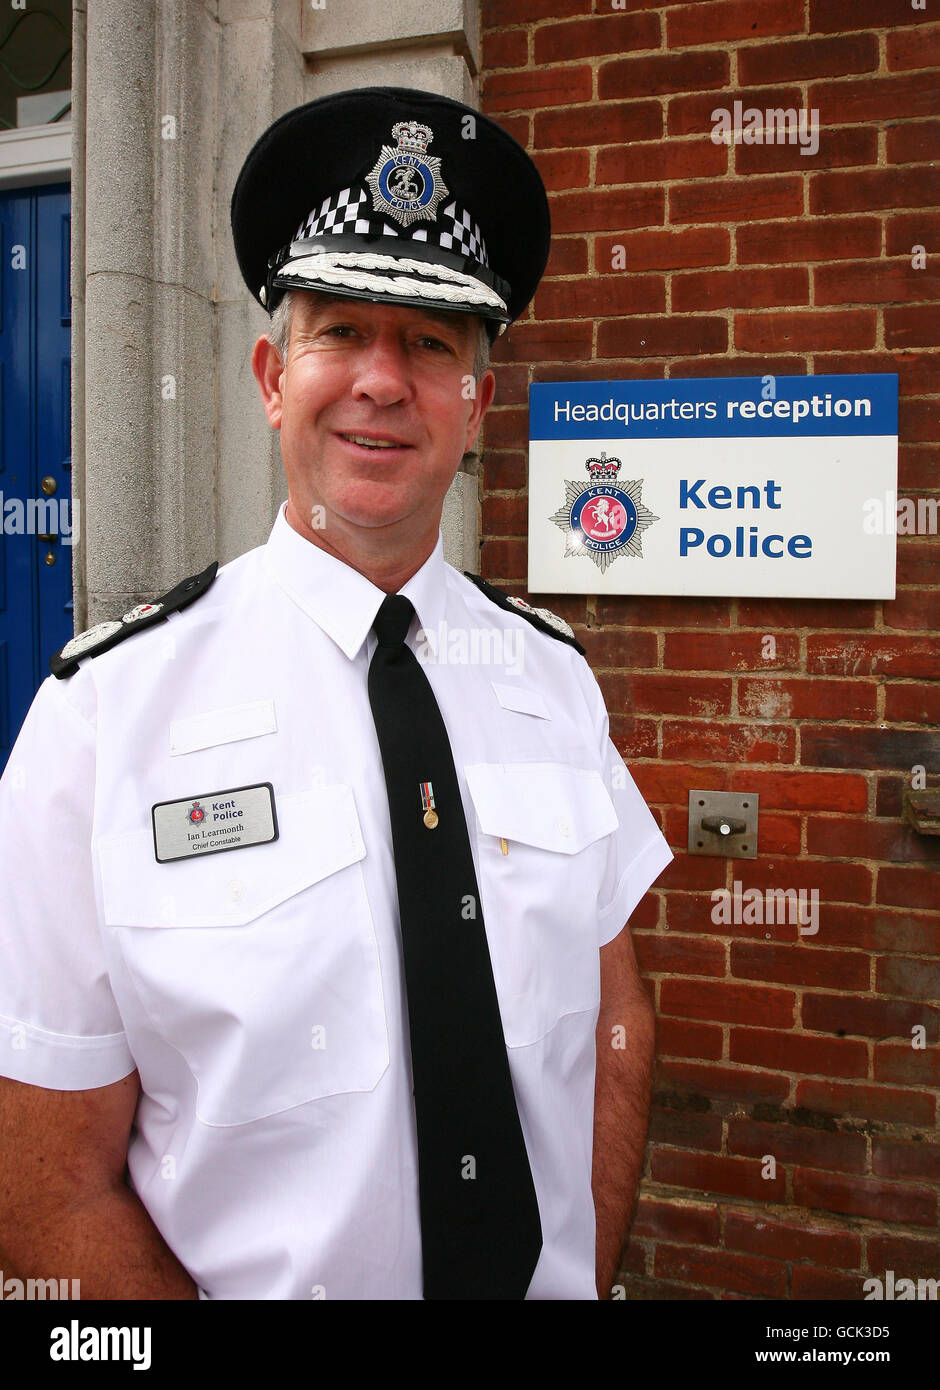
[391,279]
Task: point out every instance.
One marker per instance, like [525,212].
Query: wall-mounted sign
[738,486]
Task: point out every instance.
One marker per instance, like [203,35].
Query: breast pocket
[543,838]
[259,965]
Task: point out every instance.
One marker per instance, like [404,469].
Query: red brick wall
[748,260]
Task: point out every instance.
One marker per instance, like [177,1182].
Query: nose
[383,371]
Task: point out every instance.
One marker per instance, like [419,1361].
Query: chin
[373,520]
[372,511]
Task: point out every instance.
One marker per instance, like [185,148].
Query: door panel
[35,323]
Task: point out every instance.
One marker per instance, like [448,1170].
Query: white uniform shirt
[259,992]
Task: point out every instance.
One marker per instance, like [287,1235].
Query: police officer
[333,954]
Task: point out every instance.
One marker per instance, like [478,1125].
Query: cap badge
[406,181]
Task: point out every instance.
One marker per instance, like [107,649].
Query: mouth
[374,443]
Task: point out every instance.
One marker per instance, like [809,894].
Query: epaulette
[542,618]
[100,638]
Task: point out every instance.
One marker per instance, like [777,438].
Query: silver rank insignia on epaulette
[545,614]
[406,181]
[542,618]
[103,636]
[93,635]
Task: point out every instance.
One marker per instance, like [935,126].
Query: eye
[339,331]
[435,344]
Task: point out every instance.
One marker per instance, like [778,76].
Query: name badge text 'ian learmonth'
[213,822]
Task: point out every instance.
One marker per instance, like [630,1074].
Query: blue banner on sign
[715,407]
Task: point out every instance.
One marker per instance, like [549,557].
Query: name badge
[214,822]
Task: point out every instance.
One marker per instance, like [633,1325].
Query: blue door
[36,530]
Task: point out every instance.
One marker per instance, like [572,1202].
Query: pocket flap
[522,699]
[548,805]
[217,726]
[319,834]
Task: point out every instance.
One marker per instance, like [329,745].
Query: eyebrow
[441,316]
[462,322]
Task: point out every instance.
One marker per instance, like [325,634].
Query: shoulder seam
[61,696]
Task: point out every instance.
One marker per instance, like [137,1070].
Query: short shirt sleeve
[59,1024]
[637,852]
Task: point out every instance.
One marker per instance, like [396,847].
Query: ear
[485,389]
[268,368]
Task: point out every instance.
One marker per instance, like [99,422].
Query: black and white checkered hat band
[350,212]
[344,245]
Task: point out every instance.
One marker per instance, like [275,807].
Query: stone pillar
[77,293]
[146,431]
[261,76]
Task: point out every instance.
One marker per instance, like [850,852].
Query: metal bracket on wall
[922,811]
[723,823]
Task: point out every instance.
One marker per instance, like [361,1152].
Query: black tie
[480,1230]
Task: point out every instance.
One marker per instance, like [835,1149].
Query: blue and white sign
[738,486]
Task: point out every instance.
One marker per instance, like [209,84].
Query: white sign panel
[741,486]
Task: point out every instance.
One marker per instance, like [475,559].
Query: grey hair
[279,327]
[279,334]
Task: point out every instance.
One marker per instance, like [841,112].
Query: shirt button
[564,827]
[236,890]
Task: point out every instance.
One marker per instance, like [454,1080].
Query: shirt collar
[338,598]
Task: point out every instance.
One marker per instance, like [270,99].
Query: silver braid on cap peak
[350,269]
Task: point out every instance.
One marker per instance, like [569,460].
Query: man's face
[376,405]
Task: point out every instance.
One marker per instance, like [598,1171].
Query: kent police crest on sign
[606,519]
[406,181]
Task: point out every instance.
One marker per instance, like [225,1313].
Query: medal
[427,804]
